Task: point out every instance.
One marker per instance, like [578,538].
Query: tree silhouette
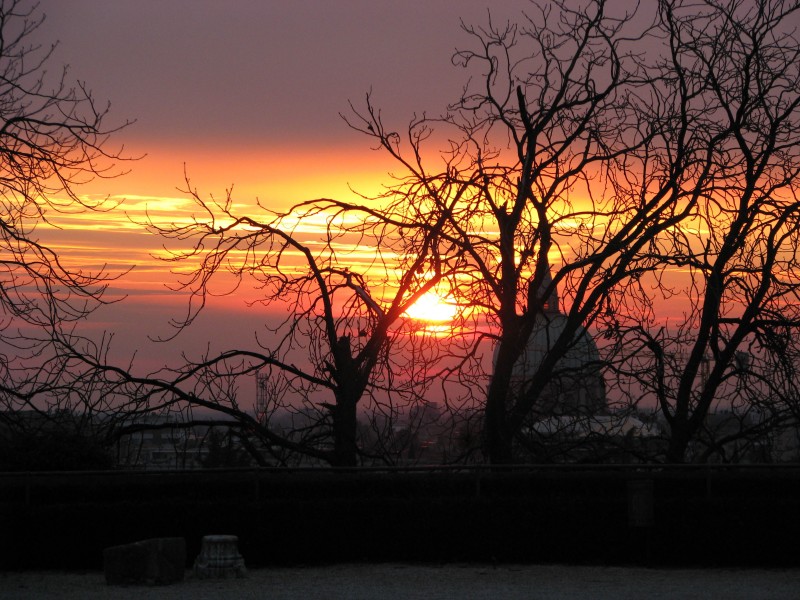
[53,139]
[621,162]
[732,85]
[553,115]
[599,155]
[344,343]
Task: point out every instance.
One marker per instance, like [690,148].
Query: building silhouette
[576,385]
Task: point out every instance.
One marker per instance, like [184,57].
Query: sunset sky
[245,94]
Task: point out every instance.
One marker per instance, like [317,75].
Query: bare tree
[541,141]
[593,160]
[343,343]
[730,73]
[585,159]
[53,138]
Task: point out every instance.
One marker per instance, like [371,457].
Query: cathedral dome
[577,385]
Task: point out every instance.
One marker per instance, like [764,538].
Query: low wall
[688,516]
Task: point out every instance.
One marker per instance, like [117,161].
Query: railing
[46,487]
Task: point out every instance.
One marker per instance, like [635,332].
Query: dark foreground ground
[407,582]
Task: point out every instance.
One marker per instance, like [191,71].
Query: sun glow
[433,308]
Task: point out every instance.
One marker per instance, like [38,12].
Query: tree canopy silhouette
[54,137]
[623,161]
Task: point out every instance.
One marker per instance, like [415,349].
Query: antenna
[262,393]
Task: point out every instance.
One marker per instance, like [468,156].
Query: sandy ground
[390,581]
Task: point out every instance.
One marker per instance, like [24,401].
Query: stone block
[219,558]
[156,561]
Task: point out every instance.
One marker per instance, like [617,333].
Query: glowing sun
[433,308]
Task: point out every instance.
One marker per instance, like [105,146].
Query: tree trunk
[678,442]
[497,440]
[344,434]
